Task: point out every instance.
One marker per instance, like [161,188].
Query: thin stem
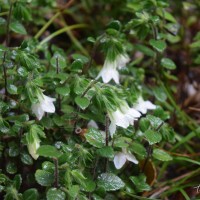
[89,86]
[94,169]
[60,31]
[5,75]
[107,138]
[107,129]
[73,39]
[78,110]
[87,67]
[8,25]
[59,99]
[56,173]
[149,152]
[41,31]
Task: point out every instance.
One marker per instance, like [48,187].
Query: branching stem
[56,173]
[8,25]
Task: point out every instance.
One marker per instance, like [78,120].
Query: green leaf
[22,71]
[83,59]
[26,159]
[11,168]
[17,181]
[31,194]
[79,177]
[144,124]
[12,89]
[17,27]
[95,138]
[140,183]
[152,136]
[91,39]
[82,102]
[168,63]
[166,15]
[4,126]
[122,142]
[115,25]
[161,155]
[55,194]
[77,65]
[48,166]
[13,150]
[160,94]
[195,44]
[106,152]
[44,178]
[155,121]
[58,61]
[48,151]
[74,191]
[89,185]
[110,182]
[64,91]
[138,149]
[147,51]
[158,45]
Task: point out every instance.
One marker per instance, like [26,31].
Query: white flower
[45,104]
[32,147]
[121,158]
[92,124]
[109,70]
[122,60]
[142,106]
[123,117]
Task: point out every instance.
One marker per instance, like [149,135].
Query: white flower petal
[131,158]
[112,129]
[120,119]
[142,106]
[47,105]
[122,60]
[119,160]
[115,76]
[149,105]
[37,110]
[109,72]
[92,124]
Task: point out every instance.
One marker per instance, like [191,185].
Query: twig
[5,75]
[150,148]
[107,129]
[56,173]
[149,152]
[8,24]
[107,138]
[59,99]
[78,110]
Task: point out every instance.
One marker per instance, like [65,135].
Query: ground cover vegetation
[99,99]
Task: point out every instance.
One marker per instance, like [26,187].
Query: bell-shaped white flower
[92,124]
[109,70]
[142,106]
[32,147]
[122,60]
[45,104]
[121,158]
[123,117]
